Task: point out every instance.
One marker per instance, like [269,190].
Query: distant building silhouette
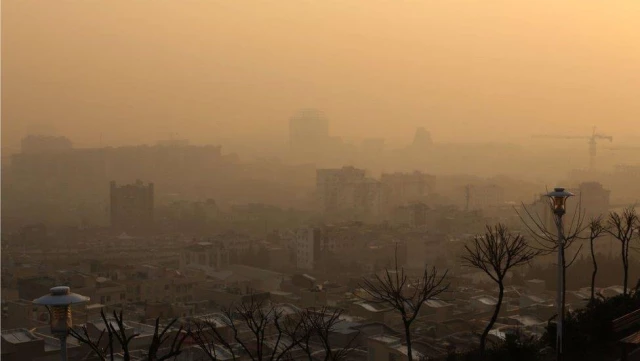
[422,139]
[308,243]
[336,188]
[400,189]
[173,143]
[132,206]
[347,189]
[482,197]
[45,144]
[308,133]
[594,199]
[627,170]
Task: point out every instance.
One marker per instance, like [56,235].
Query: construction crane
[592,140]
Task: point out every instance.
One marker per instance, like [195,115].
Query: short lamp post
[59,302]
[558,202]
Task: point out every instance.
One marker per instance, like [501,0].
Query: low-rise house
[373,312]
[437,310]
[22,314]
[536,286]
[577,299]
[612,291]
[155,310]
[389,348]
[22,344]
[527,300]
[217,320]
[483,303]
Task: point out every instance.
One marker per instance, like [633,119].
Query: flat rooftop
[18,336]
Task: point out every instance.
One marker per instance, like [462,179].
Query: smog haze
[468,71]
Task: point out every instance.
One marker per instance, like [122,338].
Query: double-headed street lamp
[59,302]
[558,202]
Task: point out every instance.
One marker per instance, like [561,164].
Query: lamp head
[58,301]
[559,199]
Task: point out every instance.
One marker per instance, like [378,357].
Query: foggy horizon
[206,70]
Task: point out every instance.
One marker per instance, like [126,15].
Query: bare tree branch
[622,227]
[206,334]
[391,290]
[257,317]
[94,345]
[160,338]
[496,253]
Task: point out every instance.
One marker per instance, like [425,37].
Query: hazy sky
[137,70]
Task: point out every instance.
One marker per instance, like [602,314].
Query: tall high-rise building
[131,206]
[308,132]
[593,198]
[338,188]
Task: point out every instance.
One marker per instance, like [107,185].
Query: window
[372,354]
[393,356]
[122,296]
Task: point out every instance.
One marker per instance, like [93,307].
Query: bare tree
[161,338]
[256,318]
[596,229]
[100,351]
[394,290]
[207,335]
[496,253]
[621,227]
[318,324]
[116,332]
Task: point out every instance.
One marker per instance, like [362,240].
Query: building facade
[593,198]
[308,133]
[400,189]
[485,196]
[308,243]
[347,189]
[208,256]
[131,206]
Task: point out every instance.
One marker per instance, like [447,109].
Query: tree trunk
[494,317]
[563,295]
[593,274]
[407,334]
[625,268]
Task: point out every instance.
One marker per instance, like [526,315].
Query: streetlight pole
[560,302]
[558,202]
[59,302]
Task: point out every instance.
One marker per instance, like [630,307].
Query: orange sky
[137,70]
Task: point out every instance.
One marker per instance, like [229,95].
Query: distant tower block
[422,139]
[308,131]
[132,206]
